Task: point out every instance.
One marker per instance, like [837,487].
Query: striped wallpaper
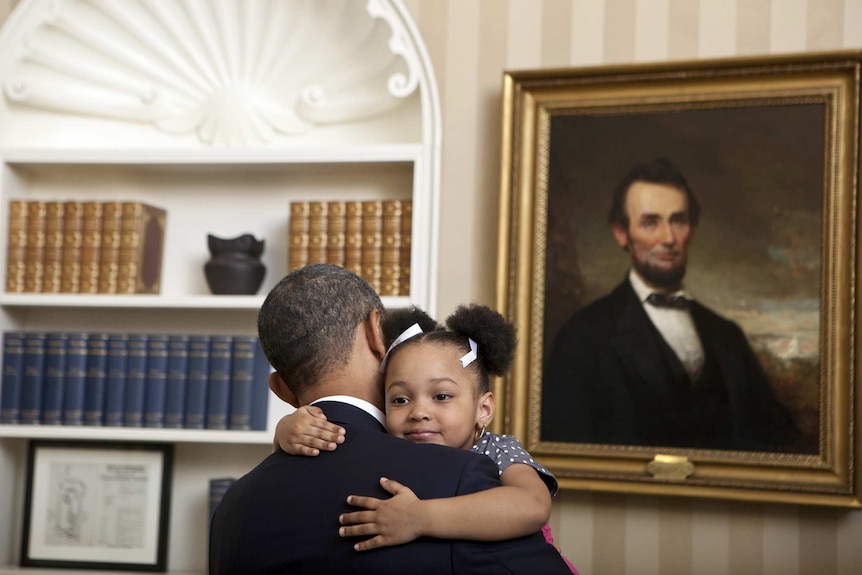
[470,43]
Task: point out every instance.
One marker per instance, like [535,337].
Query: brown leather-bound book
[353,237]
[53,273]
[16,246]
[109,257]
[317,215]
[142,242]
[372,242]
[390,250]
[335,226]
[91,247]
[297,236]
[73,228]
[404,250]
[34,253]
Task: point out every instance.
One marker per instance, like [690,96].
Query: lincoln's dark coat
[612,378]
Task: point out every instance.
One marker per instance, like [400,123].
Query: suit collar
[339,412]
[365,406]
[639,345]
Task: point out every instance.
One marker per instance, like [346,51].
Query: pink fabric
[546,531]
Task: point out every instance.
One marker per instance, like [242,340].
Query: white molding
[221,71]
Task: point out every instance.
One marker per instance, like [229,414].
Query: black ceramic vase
[235,267]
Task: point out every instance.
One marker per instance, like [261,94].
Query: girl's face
[431,398]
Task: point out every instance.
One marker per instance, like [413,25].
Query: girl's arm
[306,432]
[521,506]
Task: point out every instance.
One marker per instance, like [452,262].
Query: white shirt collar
[642,289]
[365,406]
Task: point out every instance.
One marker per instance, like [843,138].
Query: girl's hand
[306,432]
[391,521]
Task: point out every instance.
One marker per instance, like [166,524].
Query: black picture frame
[97,505]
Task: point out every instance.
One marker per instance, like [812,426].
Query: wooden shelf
[237,302]
[13,570]
[311,154]
[136,434]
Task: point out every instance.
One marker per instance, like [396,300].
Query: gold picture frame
[770,147]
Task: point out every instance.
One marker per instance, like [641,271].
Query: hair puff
[494,336]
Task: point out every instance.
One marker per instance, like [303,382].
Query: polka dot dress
[504,450]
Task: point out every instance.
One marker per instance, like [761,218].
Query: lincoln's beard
[670,279]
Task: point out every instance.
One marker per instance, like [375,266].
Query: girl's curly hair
[494,336]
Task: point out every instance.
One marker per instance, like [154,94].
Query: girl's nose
[418,412]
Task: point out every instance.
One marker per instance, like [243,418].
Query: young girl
[437,385]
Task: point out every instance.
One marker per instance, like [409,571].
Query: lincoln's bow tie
[669,301]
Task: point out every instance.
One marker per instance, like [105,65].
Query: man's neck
[347,385]
[365,406]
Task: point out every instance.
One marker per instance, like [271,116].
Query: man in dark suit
[646,365]
[320,329]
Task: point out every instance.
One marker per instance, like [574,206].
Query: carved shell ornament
[233,72]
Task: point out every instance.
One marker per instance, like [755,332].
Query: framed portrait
[97,505]
[678,251]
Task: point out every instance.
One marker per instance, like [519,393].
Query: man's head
[653,216]
[308,323]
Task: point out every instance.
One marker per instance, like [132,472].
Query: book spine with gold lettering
[53,268]
[406,246]
[390,249]
[73,229]
[372,242]
[335,225]
[34,258]
[317,215]
[297,236]
[353,237]
[142,241]
[109,256]
[91,247]
[16,246]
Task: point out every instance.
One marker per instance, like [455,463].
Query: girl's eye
[399,400]
[442,396]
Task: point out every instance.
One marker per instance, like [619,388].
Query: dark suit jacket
[282,517]
[612,378]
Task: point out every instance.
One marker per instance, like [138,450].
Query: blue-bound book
[13,375]
[97,374]
[218,389]
[136,381]
[75,384]
[157,379]
[196,383]
[218,487]
[260,389]
[54,379]
[115,382]
[241,382]
[32,382]
[175,392]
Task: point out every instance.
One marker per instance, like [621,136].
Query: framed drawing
[97,506]
[730,185]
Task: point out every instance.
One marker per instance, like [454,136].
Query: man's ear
[280,389]
[374,334]
[621,234]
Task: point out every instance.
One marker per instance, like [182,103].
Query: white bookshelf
[254,105]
